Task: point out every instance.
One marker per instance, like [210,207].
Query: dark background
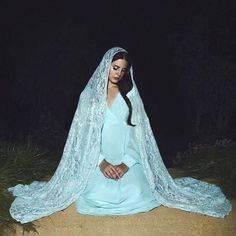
[183,59]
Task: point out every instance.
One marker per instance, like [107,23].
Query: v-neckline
[115,98]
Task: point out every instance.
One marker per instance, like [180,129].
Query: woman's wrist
[125,166]
[103,164]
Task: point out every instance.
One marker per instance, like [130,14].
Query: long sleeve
[131,153]
[100,159]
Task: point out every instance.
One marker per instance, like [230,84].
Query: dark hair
[125,84]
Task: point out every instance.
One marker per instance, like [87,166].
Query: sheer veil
[80,157]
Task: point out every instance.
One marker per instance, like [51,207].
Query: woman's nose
[119,72]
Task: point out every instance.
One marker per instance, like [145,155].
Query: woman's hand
[109,170]
[121,169]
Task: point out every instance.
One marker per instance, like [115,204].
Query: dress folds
[130,194]
[78,179]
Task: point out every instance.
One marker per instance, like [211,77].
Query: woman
[76,175]
[118,185]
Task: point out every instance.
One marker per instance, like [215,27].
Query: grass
[20,164]
[215,162]
[24,163]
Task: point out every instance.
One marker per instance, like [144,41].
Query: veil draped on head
[81,153]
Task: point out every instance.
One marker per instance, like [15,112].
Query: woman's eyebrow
[116,65]
[119,66]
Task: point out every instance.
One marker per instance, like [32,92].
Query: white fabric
[81,153]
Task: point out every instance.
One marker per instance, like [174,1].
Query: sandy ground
[159,222]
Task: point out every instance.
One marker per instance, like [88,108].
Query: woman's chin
[114,81]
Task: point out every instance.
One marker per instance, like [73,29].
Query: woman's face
[117,70]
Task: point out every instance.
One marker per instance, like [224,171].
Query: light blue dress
[130,194]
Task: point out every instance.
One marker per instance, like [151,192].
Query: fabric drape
[81,154]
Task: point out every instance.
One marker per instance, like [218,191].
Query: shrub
[20,163]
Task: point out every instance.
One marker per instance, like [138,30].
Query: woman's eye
[117,68]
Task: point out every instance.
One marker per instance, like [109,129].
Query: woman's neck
[112,86]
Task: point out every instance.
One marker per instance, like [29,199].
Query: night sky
[49,50]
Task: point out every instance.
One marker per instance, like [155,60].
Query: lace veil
[80,158]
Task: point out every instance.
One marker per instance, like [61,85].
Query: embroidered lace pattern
[81,152]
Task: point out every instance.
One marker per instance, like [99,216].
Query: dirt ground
[161,221]
[158,222]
